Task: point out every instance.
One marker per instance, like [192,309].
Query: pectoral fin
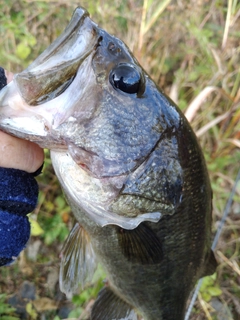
[109,306]
[78,261]
[140,245]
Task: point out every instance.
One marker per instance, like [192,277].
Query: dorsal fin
[109,306]
[77,261]
[210,266]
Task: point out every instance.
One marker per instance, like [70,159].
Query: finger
[19,154]
[9,76]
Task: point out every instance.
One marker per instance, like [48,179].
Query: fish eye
[125,78]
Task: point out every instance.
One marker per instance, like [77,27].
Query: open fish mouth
[52,72]
[29,107]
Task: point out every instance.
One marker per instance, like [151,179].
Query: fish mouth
[28,105]
[56,67]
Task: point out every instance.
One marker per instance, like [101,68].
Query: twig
[227,24]
[226,211]
[142,25]
[197,102]
[203,304]
[159,10]
[212,123]
[231,264]
[146,26]
[236,142]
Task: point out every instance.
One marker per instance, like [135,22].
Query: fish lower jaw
[40,139]
[36,131]
[22,127]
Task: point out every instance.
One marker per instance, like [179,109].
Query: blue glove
[3,79]
[18,197]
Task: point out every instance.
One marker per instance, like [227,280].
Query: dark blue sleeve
[18,197]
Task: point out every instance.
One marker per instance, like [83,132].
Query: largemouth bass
[130,166]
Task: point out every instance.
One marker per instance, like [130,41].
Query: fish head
[87,98]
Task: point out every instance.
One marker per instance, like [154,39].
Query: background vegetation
[191,49]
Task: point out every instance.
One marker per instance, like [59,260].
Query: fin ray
[78,261]
[140,245]
[109,306]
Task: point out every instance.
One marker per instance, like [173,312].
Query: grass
[191,50]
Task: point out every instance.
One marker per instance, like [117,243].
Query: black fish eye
[125,78]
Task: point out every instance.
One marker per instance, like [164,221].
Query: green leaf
[60,202]
[36,229]
[6,311]
[75,313]
[206,296]
[214,291]
[31,311]
[210,288]
[23,51]
[207,281]
[31,40]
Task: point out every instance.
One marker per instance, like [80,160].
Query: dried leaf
[44,304]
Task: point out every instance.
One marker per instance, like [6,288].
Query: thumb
[17,153]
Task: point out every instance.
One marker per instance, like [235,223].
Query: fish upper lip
[46,74]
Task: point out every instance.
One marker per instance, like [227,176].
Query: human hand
[17,153]
[19,163]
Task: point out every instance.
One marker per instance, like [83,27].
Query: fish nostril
[113,48]
[100,39]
